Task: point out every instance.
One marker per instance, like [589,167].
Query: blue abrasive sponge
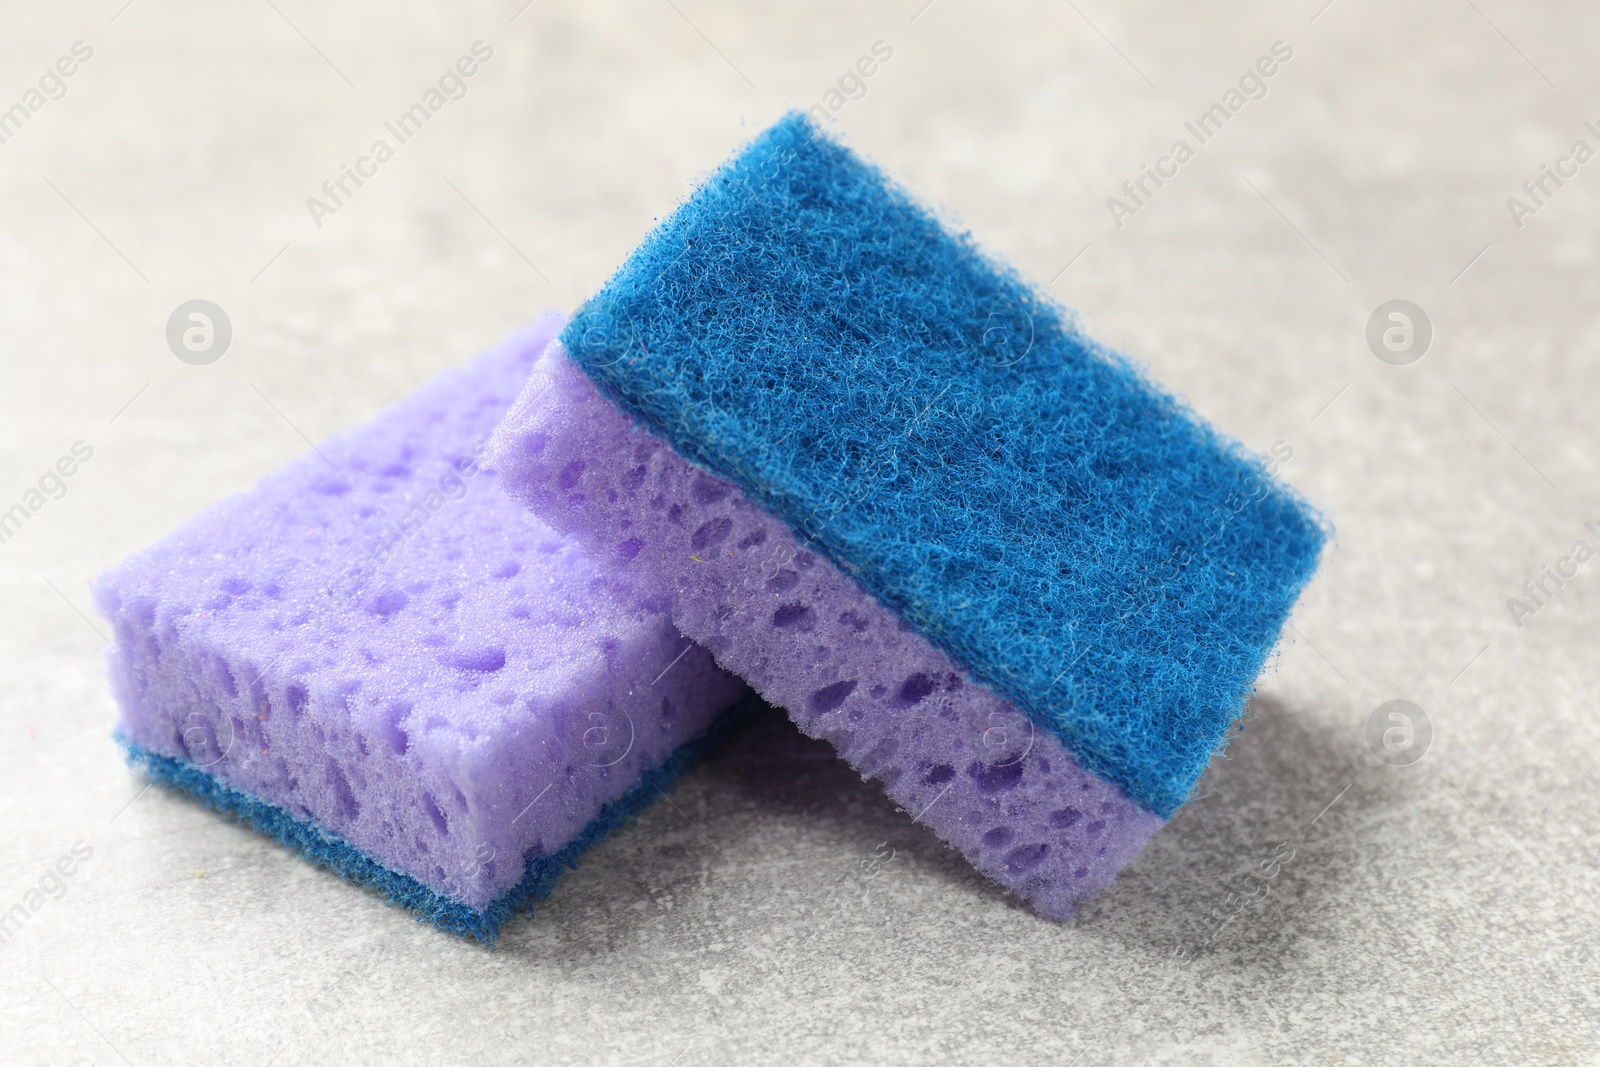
[895,488]
[380,659]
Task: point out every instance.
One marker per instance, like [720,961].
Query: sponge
[377,657]
[896,489]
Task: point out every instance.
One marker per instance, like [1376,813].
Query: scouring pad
[379,658]
[897,490]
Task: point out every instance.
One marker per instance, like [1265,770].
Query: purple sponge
[378,657]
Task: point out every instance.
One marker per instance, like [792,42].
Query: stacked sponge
[378,657]
[896,489]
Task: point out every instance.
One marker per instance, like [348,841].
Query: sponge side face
[961,759]
[375,641]
[1077,539]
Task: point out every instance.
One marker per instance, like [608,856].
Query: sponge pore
[378,657]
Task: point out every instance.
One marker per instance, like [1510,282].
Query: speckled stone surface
[1317,906]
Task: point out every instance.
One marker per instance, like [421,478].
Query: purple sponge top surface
[961,759]
[377,640]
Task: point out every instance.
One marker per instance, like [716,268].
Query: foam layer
[965,761]
[1075,538]
[377,643]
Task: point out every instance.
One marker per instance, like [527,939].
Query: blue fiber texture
[1028,500]
[329,850]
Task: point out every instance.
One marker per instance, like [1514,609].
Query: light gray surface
[1438,913]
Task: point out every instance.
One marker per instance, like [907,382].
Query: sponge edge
[378,645]
[333,852]
[964,761]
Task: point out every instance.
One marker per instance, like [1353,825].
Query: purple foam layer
[964,761]
[375,638]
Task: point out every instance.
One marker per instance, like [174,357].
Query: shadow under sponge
[895,488]
[377,657]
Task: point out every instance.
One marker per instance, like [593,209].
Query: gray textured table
[1438,912]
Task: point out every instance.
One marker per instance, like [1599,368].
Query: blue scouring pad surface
[893,485]
[380,659]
